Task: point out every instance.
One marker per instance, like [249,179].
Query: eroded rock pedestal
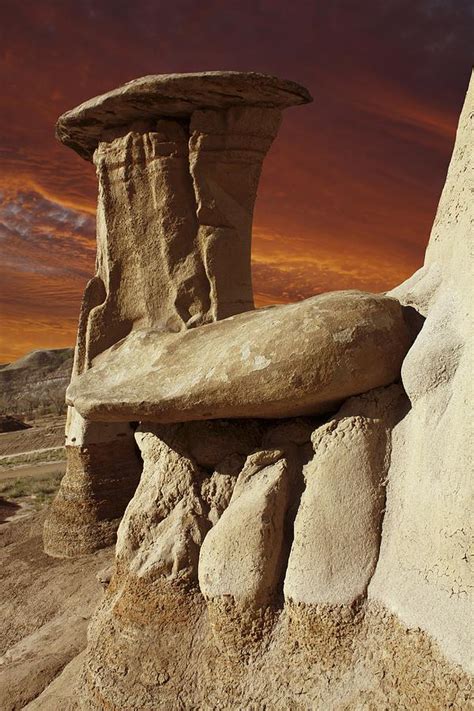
[243,571]
[178,160]
[314,562]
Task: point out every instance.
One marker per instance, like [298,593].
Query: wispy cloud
[348,191]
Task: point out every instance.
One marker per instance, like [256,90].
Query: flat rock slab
[175,95]
[283,361]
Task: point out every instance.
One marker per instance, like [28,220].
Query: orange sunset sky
[349,189]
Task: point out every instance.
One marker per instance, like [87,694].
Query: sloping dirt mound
[11,424]
[35,438]
[36,383]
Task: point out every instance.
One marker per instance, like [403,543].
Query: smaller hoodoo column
[178,160]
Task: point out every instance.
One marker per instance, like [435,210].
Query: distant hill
[36,383]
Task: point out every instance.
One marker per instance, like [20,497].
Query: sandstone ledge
[284,361]
[172,95]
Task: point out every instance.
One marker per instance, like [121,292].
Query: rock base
[154,647]
[100,480]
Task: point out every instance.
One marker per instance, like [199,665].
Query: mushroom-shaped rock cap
[172,95]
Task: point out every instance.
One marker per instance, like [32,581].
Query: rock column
[178,161]
[226,151]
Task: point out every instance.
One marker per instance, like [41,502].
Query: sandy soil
[43,435]
[45,605]
[32,463]
[33,470]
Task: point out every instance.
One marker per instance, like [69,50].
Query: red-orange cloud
[348,191]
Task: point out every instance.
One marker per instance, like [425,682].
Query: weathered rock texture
[307,563]
[338,527]
[102,473]
[172,95]
[178,160]
[251,365]
[194,616]
[45,606]
[242,555]
[424,573]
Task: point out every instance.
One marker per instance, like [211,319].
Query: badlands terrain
[288,489]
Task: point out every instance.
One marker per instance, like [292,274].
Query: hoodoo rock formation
[178,160]
[298,538]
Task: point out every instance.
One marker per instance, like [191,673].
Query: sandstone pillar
[226,150]
[178,160]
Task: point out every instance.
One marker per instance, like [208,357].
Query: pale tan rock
[172,95]
[423,574]
[210,442]
[147,256]
[217,490]
[165,524]
[294,431]
[178,500]
[154,643]
[250,365]
[338,526]
[226,152]
[178,159]
[241,556]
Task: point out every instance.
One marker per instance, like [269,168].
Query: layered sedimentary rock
[312,562]
[226,150]
[172,95]
[251,365]
[36,383]
[178,159]
[103,470]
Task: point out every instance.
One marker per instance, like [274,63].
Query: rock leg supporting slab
[103,470]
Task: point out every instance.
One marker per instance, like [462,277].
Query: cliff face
[36,383]
[310,563]
[423,574]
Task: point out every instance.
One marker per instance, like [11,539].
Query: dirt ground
[45,433]
[32,463]
[45,605]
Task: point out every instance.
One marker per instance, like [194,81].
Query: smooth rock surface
[241,557]
[172,95]
[165,524]
[338,525]
[251,365]
[424,573]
